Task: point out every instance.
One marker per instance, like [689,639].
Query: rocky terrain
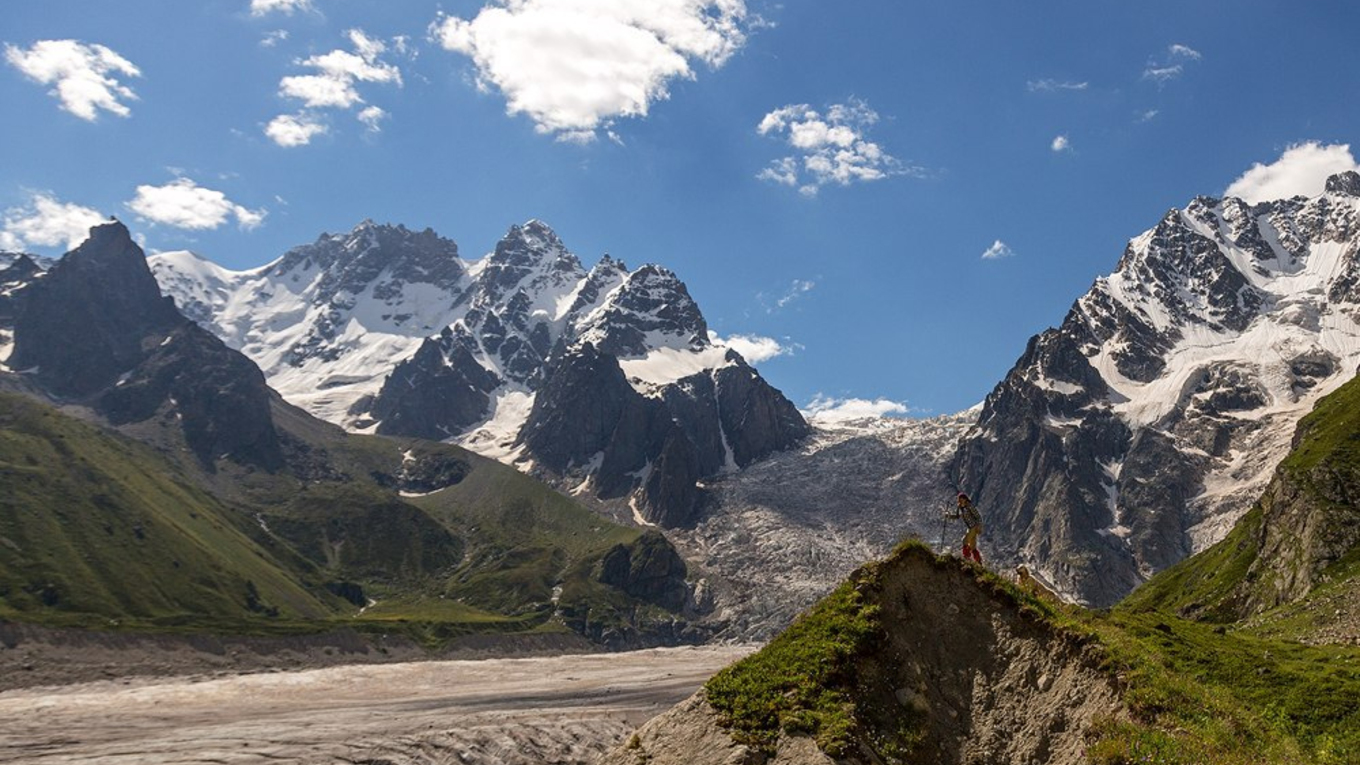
[1139,431]
[783,532]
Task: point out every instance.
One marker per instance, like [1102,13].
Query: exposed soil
[563,709]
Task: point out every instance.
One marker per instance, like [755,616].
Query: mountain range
[1121,442]
[604,379]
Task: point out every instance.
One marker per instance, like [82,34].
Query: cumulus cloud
[184,204]
[332,85]
[1060,144]
[1302,169]
[47,222]
[828,147]
[998,250]
[290,130]
[753,348]
[574,66]
[825,409]
[1053,86]
[266,7]
[1169,66]
[85,78]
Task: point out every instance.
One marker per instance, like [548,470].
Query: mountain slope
[97,524]
[389,331]
[1138,431]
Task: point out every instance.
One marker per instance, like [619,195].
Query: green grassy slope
[98,528]
[92,523]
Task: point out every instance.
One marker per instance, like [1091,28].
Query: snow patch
[665,365]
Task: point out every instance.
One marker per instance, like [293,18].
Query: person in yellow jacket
[973,520]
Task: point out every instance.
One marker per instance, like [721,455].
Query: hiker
[973,520]
[1033,586]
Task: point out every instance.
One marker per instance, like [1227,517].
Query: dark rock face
[649,569]
[219,396]
[83,324]
[1076,476]
[99,330]
[587,412]
[435,394]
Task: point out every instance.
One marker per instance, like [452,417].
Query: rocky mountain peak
[651,308]
[84,322]
[1347,183]
[1170,387]
[21,268]
[382,255]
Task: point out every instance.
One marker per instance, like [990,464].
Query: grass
[803,681]
[1201,694]
[93,523]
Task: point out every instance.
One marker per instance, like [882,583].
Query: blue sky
[826,175]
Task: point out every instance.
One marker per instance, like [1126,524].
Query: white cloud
[289,130]
[274,38]
[184,204]
[47,222]
[265,7]
[573,66]
[372,118]
[825,409]
[829,148]
[998,250]
[753,348]
[1184,51]
[1302,169]
[1051,86]
[85,78]
[797,288]
[1148,115]
[332,86]
[1060,144]
[1160,74]
[1164,69]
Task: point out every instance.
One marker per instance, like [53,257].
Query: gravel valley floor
[562,709]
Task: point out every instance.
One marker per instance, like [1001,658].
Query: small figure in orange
[973,520]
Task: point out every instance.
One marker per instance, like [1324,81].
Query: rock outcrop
[952,668]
